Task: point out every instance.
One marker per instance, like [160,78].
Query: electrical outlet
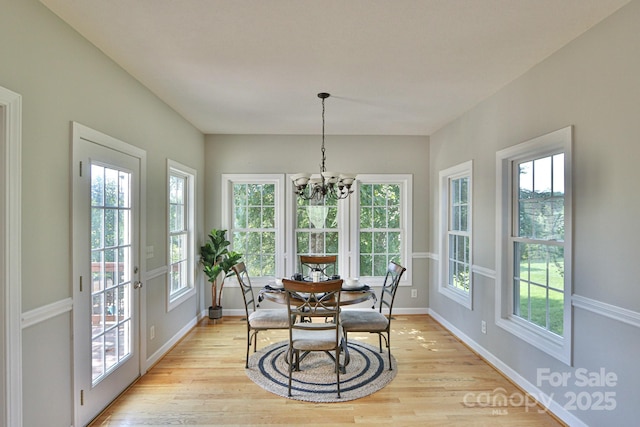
[414,293]
[484,327]
[152,332]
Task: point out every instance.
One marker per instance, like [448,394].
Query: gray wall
[63,78]
[301,153]
[593,84]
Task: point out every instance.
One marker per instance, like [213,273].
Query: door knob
[137,284]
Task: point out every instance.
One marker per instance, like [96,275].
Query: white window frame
[551,143]
[405,181]
[176,169]
[228,180]
[463,170]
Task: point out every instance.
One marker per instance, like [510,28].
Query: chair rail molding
[611,311]
[46,312]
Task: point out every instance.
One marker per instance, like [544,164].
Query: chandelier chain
[322,168]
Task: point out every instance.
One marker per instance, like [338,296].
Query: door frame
[11,262]
[80,132]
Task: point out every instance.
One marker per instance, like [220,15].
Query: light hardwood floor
[440,382]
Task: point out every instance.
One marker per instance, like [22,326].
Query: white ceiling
[393,67]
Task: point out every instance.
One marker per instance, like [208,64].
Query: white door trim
[80,131]
[11,262]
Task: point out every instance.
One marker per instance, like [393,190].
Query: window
[535,251]
[181,224]
[455,232]
[382,223]
[375,220]
[253,211]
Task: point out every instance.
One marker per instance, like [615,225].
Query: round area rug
[367,372]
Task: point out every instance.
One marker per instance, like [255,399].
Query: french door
[106,201]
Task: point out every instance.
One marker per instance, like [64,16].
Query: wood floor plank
[201,381]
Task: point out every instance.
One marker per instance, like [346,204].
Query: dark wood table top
[347,297]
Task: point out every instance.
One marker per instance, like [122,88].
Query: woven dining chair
[257,320]
[375,321]
[313,301]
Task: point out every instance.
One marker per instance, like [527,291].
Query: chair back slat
[245,285]
[390,286]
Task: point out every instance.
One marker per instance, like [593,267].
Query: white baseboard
[157,355]
[552,406]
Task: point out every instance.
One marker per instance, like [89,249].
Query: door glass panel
[111,269]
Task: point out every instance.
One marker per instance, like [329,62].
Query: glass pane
[525,180]
[268,195]
[124,200]
[110,348]
[366,192]
[380,217]
[380,264]
[331,243]
[302,242]
[97,228]
[302,217]
[97,185]
[542,176]
[97,271]
[111,187]
[538,306]
[239,241]
[394,216]
[254,219]
[366,217]
[269,218]
[394,242]
[522,300]
[97,314]
[124,347]
[124,261]
[556,312]
[380,242]
[558,174]
[366,242]
[110,227]
[97,357]
[254,194]
[332,217]
[177,190]
[556,268]
[240,194]
[240,217]
[123,227]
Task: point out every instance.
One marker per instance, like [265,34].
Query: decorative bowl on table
[351,283]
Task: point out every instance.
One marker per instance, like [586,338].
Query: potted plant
[216,258]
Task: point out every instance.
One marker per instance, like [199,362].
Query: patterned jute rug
[367,372]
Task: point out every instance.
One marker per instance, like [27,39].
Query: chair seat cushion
[363,321]
[269,319]
[312,340]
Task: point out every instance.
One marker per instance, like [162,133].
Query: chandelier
[324,185]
